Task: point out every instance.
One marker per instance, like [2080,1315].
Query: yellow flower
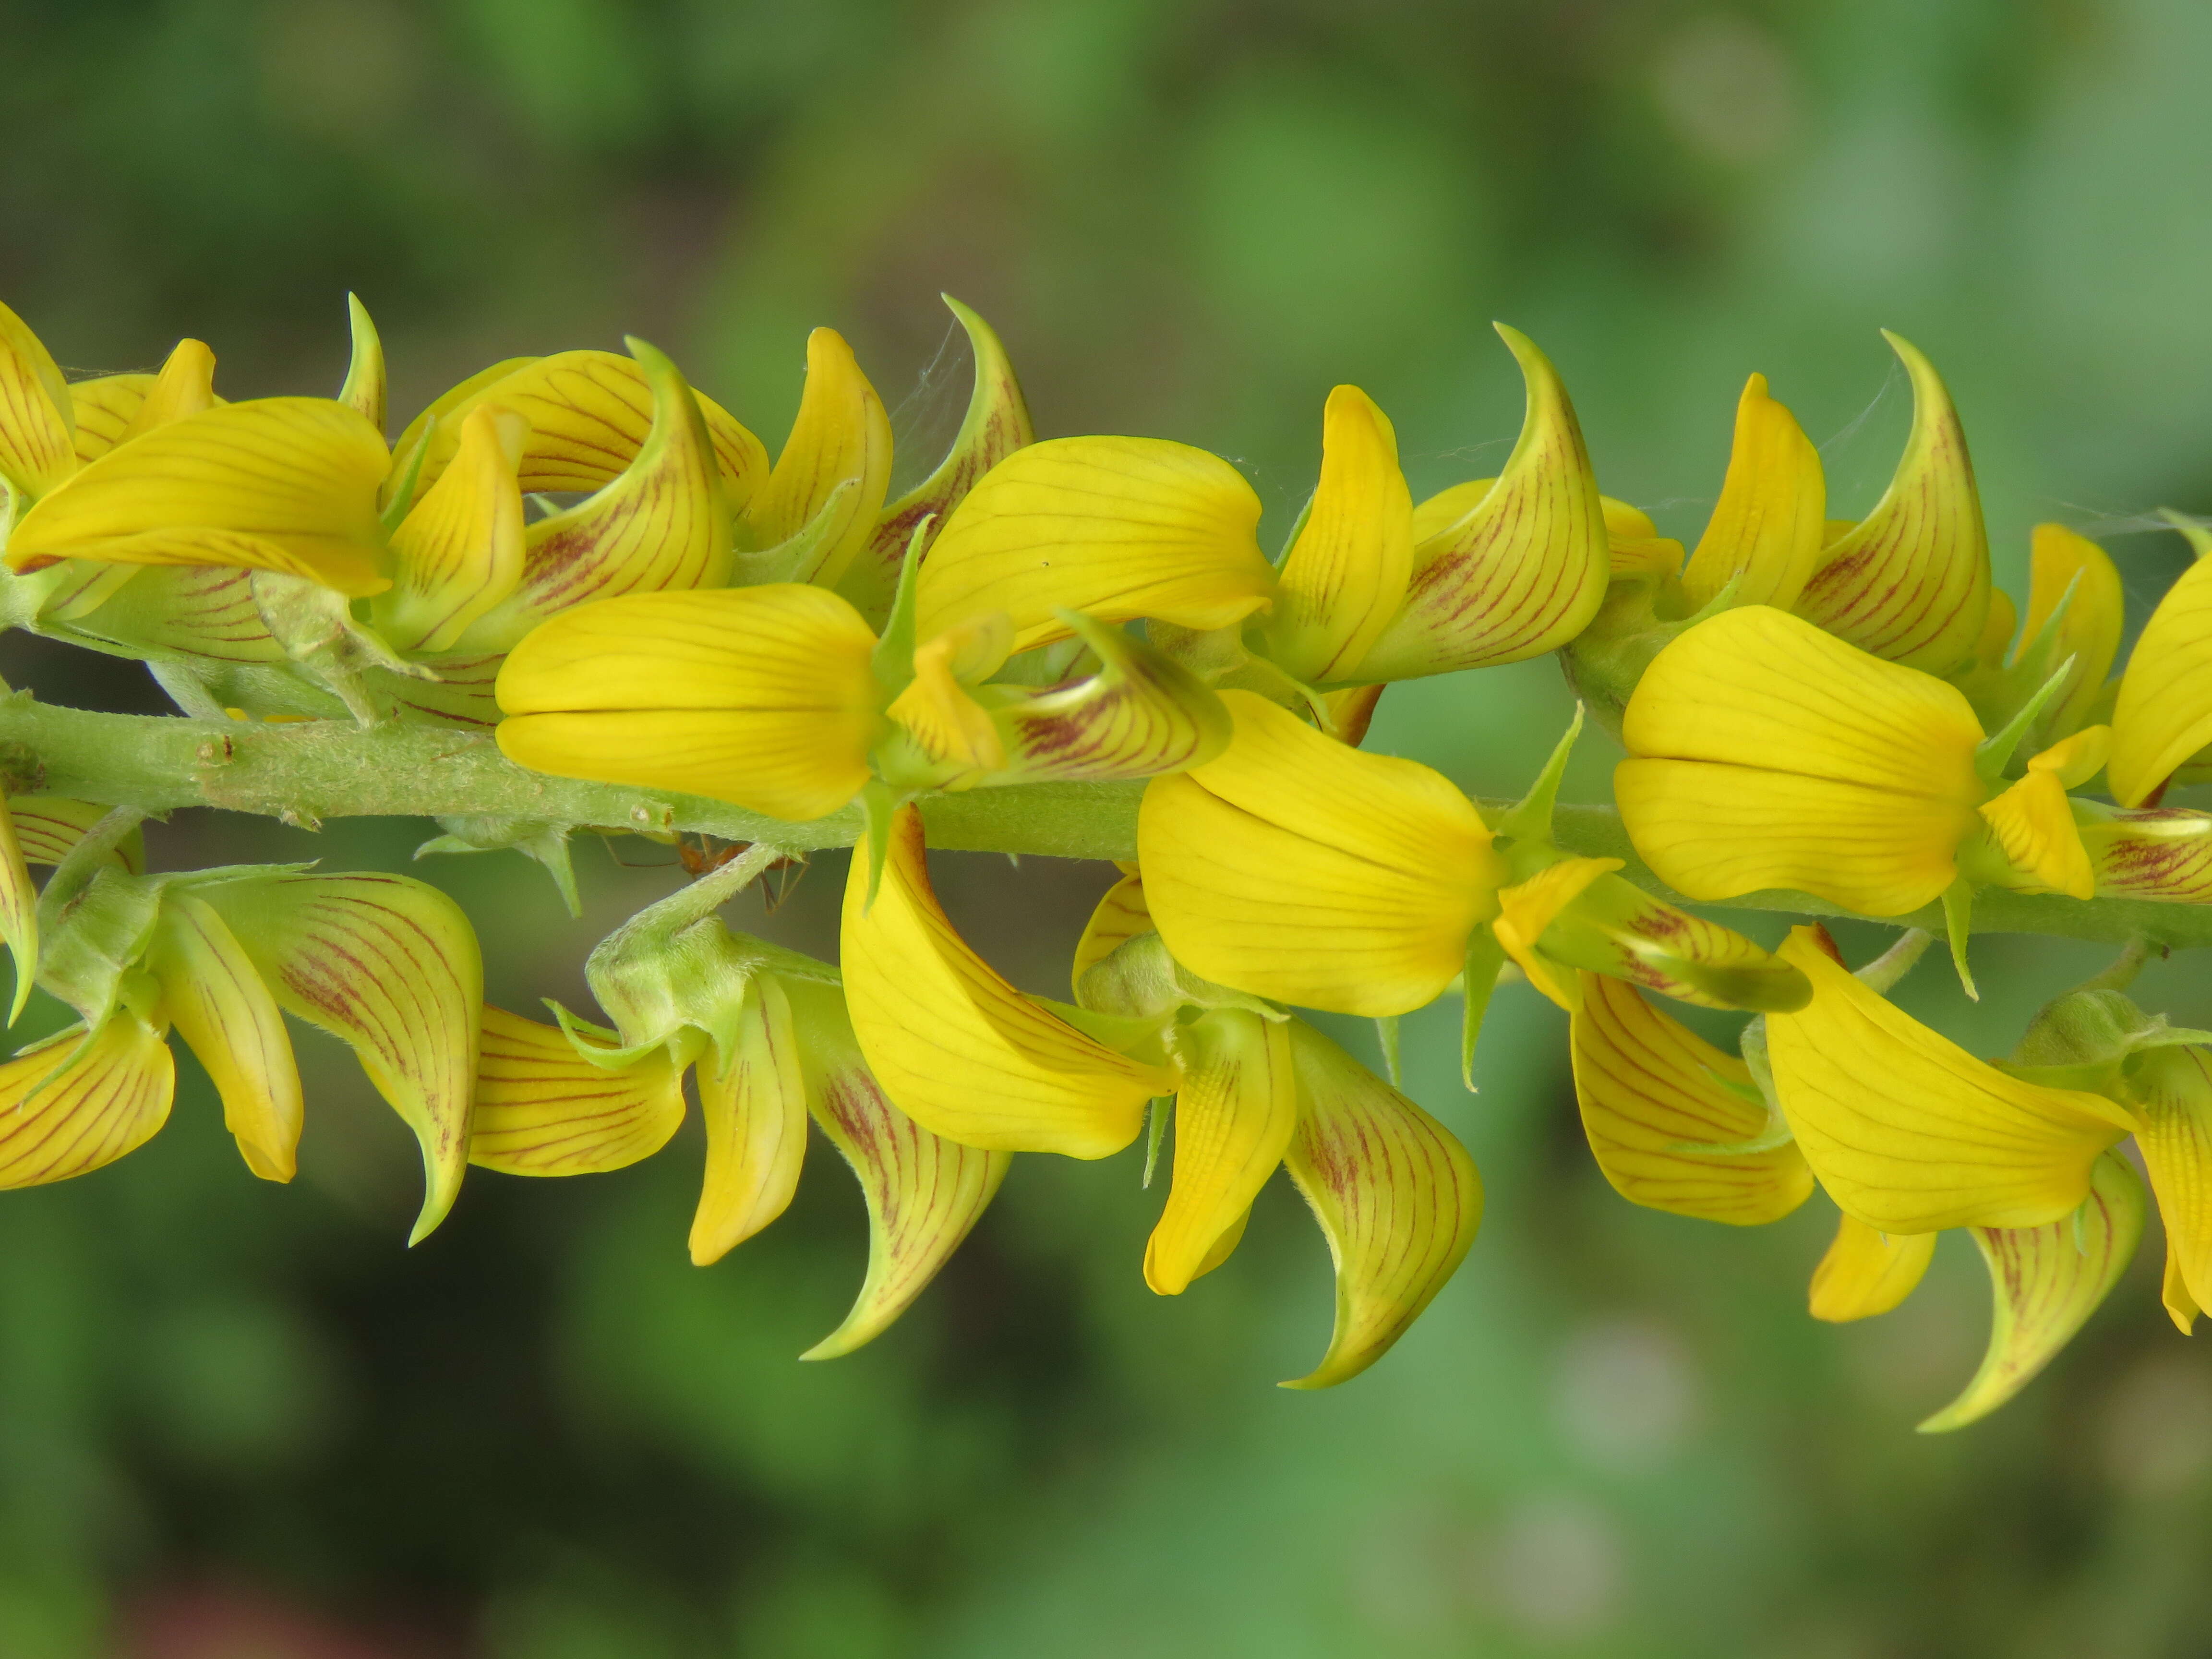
[2163,716]
[2074,610]
[1766,529]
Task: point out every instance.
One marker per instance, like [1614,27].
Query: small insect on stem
[708,855]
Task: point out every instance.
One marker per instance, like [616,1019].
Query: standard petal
[459,551]
[955,1046]
[1651,1090]
[1234,1113]
[2172,1092]
[841,441]
[276,483]
[997,424]
[2164,712]
[1296,867]
[103,407]
[2045,1282]
[1867,1272]
[19,909]
[36,448]
[221,1006]
[390,966]
[924,1193]
[544,1110]
[763,696]
[73,1105]
[1346,575]
[2159,852]
[754,1105]
[1524,569]
[185,386]
[1911,584]
[1396,1194]
[1909,1132]
[1766,532]
[1117,528]
[1120,915]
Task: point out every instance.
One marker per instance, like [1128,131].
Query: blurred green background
[241,1422]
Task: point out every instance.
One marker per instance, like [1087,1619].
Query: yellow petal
[459,551]
[662,526]
[390,966]
[996,425]
[200,610]
[1526,910]
[277,484]
[1295,867]
[2033,820]
[363,389]
[2090,630]
[220,1004]
[1650,1087]
[2173,1292]
[937,709]
[19,909]
[36,448]
[1766,528]
[544,1110]
[2164,712]
[1346,575]
[1351,711]
[590,413]
[1141,714]
[1120,916]
[2159,852]
[2045,1282]
[842,437]
[1525,569]
[924,1193]
[956,1047]
[1610,926]
[185,386]
[763,696]
[1766,753]
[73,1105]
[1867,1272]
[103,408]
[1234,1113]
[1394,1193]
[1911,584]
[1909,1132]
[48,826]
[1117,528]
[2172,1092]
[754,1105]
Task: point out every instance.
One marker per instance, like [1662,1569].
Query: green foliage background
[240,1419]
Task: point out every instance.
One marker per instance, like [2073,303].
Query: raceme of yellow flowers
[600,565]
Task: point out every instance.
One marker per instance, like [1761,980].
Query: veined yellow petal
[956,1047]
[2159,852]
[1117,528]
[2089,632]
[1911,584]
[1909,1132]
[1295,867]
[936,707]
[74,1104]
[1613,926]
[185,386]
[1141,714]
[1346,575]
[1525,569]
[48,826]
[103,408]
[590,413]
[363,389]
[459,551]
[1766,753]
[924,1193]
[2172,1092]
[1120,915]
[1867,1272]
[2033,820]
[276,483]
[1765,531]
[1650,1088]
[763,696]
[1396,1195]
[2045,1282]
[754,1105]
[18,910]
[544,1110]
[220,1005]
[200,610]
[1233,1115]
[996,425]
[390,966]
[2164,712]
[36,446]
[841,436]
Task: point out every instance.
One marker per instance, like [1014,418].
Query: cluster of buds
[1838,718]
